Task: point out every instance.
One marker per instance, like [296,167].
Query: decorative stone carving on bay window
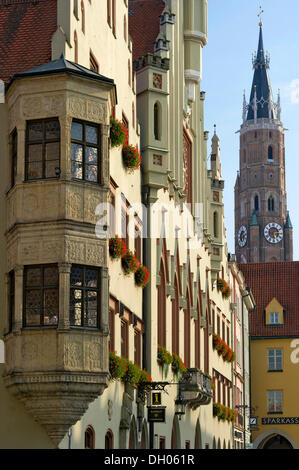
[57,334]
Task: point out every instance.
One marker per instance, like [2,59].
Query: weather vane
[260,16]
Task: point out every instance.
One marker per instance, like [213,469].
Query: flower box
[129,262]
[117,365]
[163,356]
[118,133]
[178,365]
[131,157]
[117,247]
[142,276]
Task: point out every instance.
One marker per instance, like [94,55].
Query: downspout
[243,374]
[233,394]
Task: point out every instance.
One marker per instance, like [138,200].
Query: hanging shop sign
[156,414]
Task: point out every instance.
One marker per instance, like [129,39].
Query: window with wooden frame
[93,64]
[138,238]
[176,317]
[11,308]
[76,50]
[109,440]
[227,336]
[124,337]
[114,17]
[125,123]
[162,442]
[85,296]
[113,309]
[42,154]
[89,438]
[109,13]
[41,296]
[137,346]
[125,206]
[82,17]
[125,28]
[223,329]
[187,329]
[86,151]
[197,336]
[161,324]
[187,160]
[218,324]
[14,156]
[129,72]
[133,115]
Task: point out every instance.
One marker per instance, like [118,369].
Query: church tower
[263,229]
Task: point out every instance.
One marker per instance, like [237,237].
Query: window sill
[275,412]
[275,370]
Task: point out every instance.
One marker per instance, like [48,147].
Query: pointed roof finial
[214,129]
[260,16]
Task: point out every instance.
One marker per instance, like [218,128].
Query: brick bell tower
[263,229]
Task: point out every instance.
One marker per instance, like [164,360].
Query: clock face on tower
[242,236]
[273,232]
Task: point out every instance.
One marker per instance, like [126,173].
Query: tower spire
[261,99]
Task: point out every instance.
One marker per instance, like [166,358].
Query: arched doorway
[277,442]
[275,438]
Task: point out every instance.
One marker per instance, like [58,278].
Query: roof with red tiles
[144,25]
[269,280]
[26,30]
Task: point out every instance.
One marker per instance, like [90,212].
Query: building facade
[274,354]
[263,229]
[73,314]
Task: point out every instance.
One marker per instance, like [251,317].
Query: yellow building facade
[274,355]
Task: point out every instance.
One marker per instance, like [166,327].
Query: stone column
[21,130]
[65,147]
[64,295]
[105,156]
[104,320]
[18,314]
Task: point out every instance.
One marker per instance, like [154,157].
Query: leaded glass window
[41,296]
[42,149]
[84,296]
[85,151]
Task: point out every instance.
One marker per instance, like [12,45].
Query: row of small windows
[89,439]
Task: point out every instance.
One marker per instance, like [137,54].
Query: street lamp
[180,406]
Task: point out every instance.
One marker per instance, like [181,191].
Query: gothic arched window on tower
[157,121]
[271,204]
[256,203]
[215,223]
[270,152]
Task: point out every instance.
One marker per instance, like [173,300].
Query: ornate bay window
[84,296]
[42,156]
[85,151]
[41,296]
[51,363]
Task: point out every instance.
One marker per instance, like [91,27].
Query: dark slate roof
[261,83]
[62,66]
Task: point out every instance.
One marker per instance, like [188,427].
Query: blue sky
[227,70]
